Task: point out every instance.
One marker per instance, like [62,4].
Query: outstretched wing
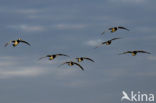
[62,55]
[103,33]
[79,65]
[126,52]
[115,39]
[100,44]
[25,42]
[44,57]
[110,28]
[121,27]
[7,43]
[63,64]
[89,59]
[141,51]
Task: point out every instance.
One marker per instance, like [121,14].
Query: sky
[74,27]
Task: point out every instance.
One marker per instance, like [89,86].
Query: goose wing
[141,51]
[25,42]
[63,64]
[103,33]
[6,44]
[44,57]
[126,52]
[100,44]
[106,31]
[89,59]
[121,27]
[62,55]
[114,39]
[79,65]
[110,28]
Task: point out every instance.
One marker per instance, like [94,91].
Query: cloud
[4,64]
[21,72]
[28,28]
[21,11]
[66,72]
[11,71]
[69,26]
[39,28]
[8,61]
[12,67]
[28,11]
[93,42]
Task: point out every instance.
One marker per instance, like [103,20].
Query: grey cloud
[69,26]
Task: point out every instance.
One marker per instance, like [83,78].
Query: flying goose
[51,57]
[71,63]
[135,52]
[114,29]
[107,42]
[16,42]
[80,59]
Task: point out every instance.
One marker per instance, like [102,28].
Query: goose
[107,42]
[16,42]
[51,57]
[114,29]
[71,63]
[80,59]
[134,53]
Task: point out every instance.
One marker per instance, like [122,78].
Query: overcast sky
[73,27]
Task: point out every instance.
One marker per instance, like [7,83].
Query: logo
[137,97]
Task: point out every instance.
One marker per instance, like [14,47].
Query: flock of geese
[80,59]
[114,29]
